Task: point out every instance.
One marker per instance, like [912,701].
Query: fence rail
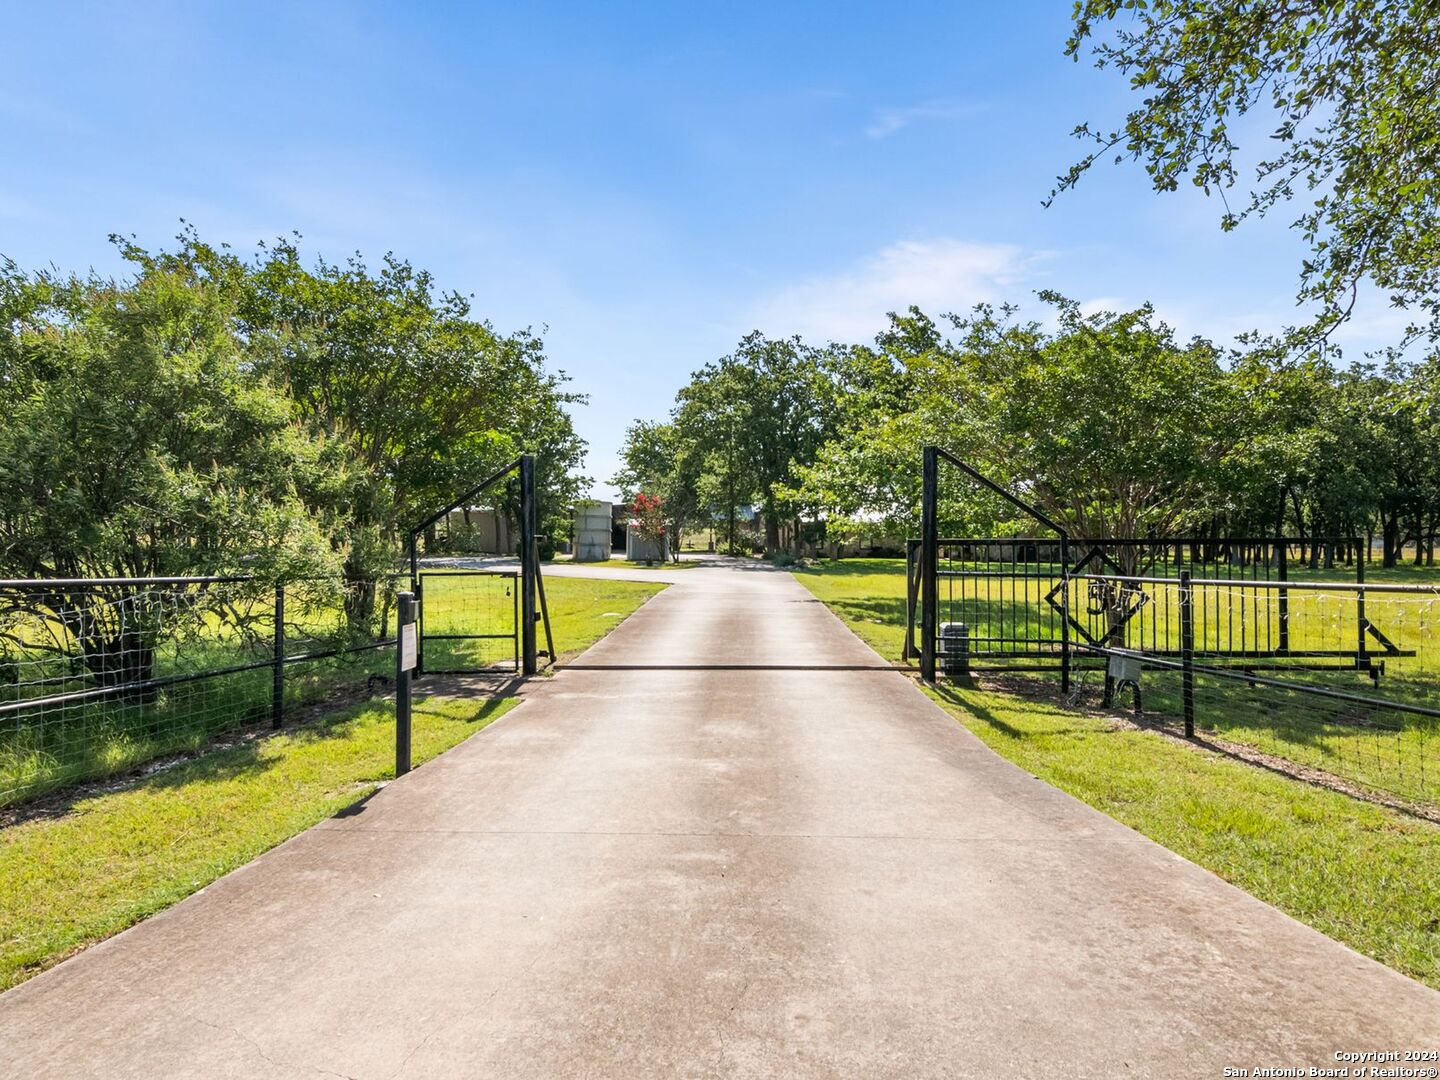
[100,675]
[1229,639]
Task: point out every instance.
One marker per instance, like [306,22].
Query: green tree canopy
[138,441]
[1350,93]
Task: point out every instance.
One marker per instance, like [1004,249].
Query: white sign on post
[407,647]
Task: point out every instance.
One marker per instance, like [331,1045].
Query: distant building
[478,530]
[594,535]
[638,549]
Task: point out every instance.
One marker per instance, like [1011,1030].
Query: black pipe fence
[99,676]
[1199,653]
[1007,590]
[1247,642]
[1341,678]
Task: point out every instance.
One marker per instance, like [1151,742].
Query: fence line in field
[101,675]
[1341,678]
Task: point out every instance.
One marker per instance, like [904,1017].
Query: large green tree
[424,398]
[752,418]
[1106,423]
[1349,91]
[137,440]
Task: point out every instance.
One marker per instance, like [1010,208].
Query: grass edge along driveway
[114,858]
[1362,874]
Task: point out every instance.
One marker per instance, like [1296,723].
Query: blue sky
[647,181]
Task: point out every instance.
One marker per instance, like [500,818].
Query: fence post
[529,552]
[1187,650]
[419,626]
[1362,660]
[277,688]
[905,650]
[929,541]
[405,641]
[1283,569]
[1064,614]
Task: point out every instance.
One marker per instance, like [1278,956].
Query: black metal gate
[1006,592]
[469,621]
[531,604]
[1051,603]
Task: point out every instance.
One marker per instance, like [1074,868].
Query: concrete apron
[728,842]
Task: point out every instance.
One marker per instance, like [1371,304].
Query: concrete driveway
[727,842]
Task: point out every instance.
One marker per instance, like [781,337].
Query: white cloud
[887,122]
[935,275]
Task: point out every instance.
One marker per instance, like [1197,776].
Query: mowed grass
[1363,874]
[103,862]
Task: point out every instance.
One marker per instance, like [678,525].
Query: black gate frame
[1096,565]
[929,559]
[513,636]
[532,590]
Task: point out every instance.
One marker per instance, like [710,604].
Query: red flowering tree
[649,513]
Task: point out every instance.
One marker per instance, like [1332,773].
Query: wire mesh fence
[1251,644]
[100,676]
[468,621]
[1005,590]
[1337,678]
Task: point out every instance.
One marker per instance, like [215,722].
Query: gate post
[929,541]
[277,684]
[1064,614]
[405,636]
[1282,566]
[1187,651]
[529,571]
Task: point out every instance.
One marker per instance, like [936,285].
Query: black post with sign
[405,657]
[529,566]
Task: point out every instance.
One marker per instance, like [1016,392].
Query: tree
[751,418]
[789,416]
[650,520]
[1107,424]
[712,416]
[423,398]
[1351,91]
[656,458]
[137,442]
[427,398]
[210,409]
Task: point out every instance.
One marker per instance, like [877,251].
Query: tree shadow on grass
[961,700]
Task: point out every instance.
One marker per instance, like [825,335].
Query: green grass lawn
[104,861]
[1363,874]
[457,602]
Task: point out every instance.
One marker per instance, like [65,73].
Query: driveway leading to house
[727,841]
